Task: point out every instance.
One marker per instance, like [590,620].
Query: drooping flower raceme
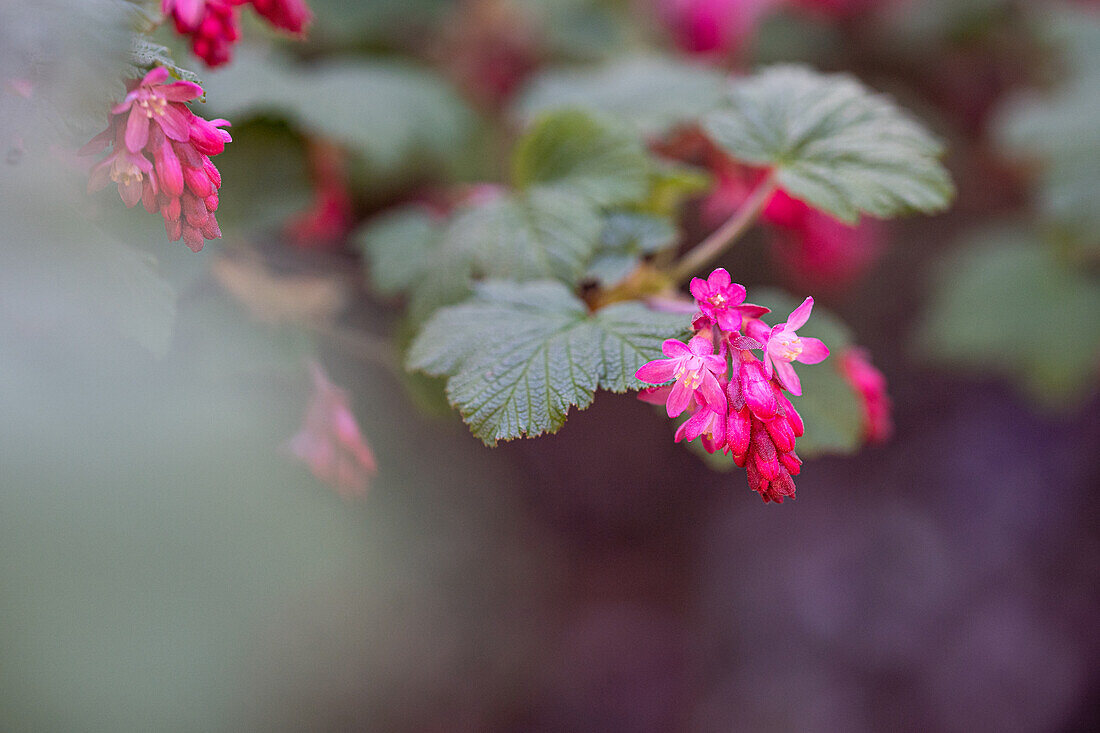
[870,384]
[214,25]
[330,442]
[753,421]
[160,155]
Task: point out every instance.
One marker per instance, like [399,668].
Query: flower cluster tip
[736,399]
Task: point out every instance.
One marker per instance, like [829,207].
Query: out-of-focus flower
[716,27]
[326,223]
[694,366]
[818,250]
[870,384]
[784,345]
[213,26]
[180,181]
[290,15]
[330,442]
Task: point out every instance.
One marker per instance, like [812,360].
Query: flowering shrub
[531,294]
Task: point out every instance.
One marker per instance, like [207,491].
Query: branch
[724,236]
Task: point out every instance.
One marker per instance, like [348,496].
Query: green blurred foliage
[1007,304]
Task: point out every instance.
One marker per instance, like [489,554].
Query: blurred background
[166,564]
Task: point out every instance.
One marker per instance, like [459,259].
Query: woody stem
[724,236]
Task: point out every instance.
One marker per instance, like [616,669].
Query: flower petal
[678,399]
[720,278]
[751,310]
[657,371]
[813,351]
[137,131]
[699,289]
[713,393]
[655,395]
[729,320]
[785,373]
[675,349]
[157,75]
[716,364]
[182,91]
[800,315]
[176,121]
[701,346]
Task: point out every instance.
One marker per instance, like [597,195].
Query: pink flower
[290,15]
[212,24]
[708,421]
[711,26]
[870,384]
[718,297]
[817,249]
[783,346]
[694,367]
[721,301]
[330,441]
[160,156]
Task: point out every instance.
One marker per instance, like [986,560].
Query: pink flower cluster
[160,155]
[214,26]
[330,442]
[736,399]
[870,385]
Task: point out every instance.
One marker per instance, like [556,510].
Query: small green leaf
[653,94]
[833,143]
[626,237]
[144,54]
[1004,305]
[596,158]
[399,245]
[519,356]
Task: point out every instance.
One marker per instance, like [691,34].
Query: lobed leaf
[595,158]
[832,143]
[518,356]
[627,237]
[652,93]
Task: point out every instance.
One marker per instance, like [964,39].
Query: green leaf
[144,54]
[566,168]
[625,239]
[391,113]
[1005,305]
[833,143]
[399,245]
[596,158]
[546,233]
[519,356]
[829,406]
[654,94]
